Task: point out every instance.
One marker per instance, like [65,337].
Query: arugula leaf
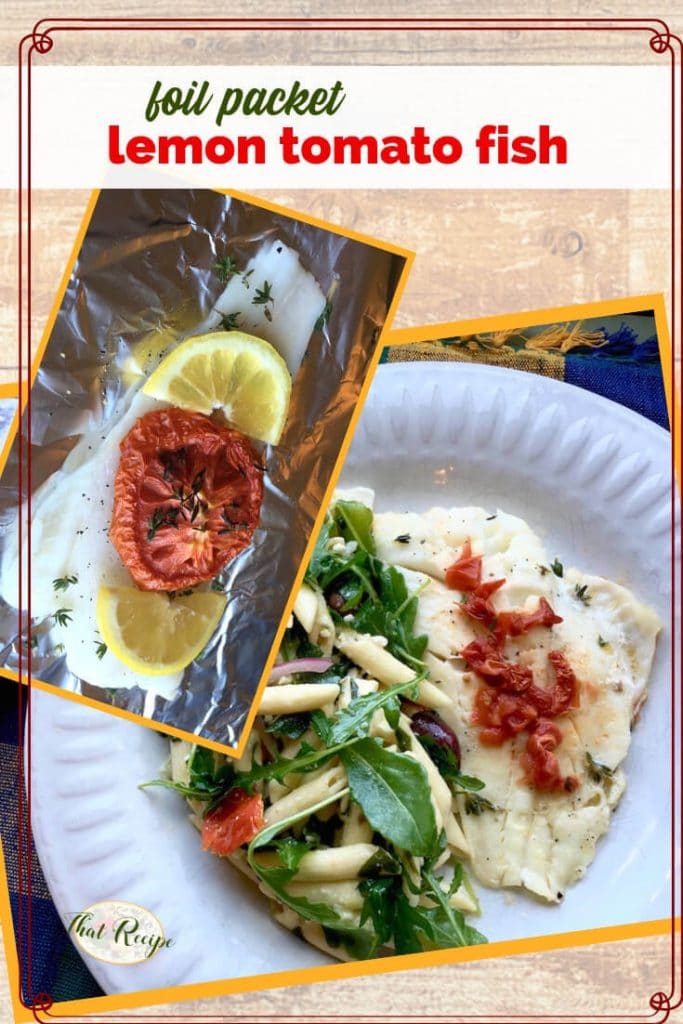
[321,726]
[422,928]
[350,573]
[393,792]
[276,878]
[336,734]
[392,712]
[320,552]
[208,780]
[392,615]
[354,720]
[447,764]
[448,923]
[354,521]
[415,929]
[290,851]
[379,906]
[362,584]
[380,863]
[291,726]
[457,879]
[307,761]
[359,943]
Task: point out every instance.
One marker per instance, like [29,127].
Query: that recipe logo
[118,932]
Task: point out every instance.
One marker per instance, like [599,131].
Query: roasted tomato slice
[187,498]
[235,821]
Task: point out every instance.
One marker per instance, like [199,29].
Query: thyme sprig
[62,582]
[226,268]
[229,321]
[62,616]
[262,297]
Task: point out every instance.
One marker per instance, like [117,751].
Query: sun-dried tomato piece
[465,573]
[515,623]
[541,767]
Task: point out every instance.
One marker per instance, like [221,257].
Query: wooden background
[479,253]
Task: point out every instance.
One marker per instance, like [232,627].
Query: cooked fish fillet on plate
[540,841]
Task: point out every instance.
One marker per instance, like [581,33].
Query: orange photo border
[395,250]
[336,972]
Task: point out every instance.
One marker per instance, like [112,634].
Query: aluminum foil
[146,266]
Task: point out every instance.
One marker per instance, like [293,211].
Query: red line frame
[41,41]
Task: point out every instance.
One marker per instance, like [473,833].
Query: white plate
[591,477]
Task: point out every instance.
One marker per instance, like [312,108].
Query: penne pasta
[306,607]
[342,896]
[390,833]
[334,863]
[355,828]
[291,698]
[332,780]
[378,662]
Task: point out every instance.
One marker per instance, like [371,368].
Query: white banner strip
[253,127]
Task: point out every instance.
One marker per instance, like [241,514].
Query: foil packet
[146,273]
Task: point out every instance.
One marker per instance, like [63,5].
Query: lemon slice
[153,634]
[238,373]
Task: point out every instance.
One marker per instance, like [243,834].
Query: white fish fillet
[541,842]
[297,302]
[71,516]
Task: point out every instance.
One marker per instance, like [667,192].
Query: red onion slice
[289,668]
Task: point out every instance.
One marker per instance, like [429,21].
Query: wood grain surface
[479,253]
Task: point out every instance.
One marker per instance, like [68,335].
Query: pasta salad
[346,806]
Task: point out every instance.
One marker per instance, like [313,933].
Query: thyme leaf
[62,617]
[475,804]
[597,771]
[262,297]
[226,268]
[62,582]
[229,321]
